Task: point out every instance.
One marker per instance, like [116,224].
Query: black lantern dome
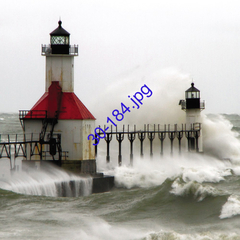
[59,39]
[192,96]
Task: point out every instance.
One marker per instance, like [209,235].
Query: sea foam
[195,236]
[231,207]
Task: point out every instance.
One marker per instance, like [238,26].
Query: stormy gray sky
[115,37]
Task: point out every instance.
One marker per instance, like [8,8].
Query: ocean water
[187,196]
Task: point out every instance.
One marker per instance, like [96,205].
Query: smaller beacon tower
[193,106]
[59,118]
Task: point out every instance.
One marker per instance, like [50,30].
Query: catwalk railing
[29,145]
[47,50]
[191,133]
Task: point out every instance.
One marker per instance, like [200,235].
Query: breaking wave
[231,208]
[49,182]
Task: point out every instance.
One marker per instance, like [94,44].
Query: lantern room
[192,92]
[59,39]
[192,99]
[192,96]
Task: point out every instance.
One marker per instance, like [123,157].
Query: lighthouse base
[79,166]
[100,182]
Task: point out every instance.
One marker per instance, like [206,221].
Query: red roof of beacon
[67,104]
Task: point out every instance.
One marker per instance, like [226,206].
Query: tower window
[62,40]
[192,94]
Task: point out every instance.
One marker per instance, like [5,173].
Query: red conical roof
[70,108]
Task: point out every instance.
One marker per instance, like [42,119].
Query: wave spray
[49,181]
[220,144]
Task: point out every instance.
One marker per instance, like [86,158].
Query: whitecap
[199,191]
[231,207]
[172,235]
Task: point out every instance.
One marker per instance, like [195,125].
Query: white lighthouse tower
[59,118]
[193,107]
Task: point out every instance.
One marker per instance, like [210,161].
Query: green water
[194,197]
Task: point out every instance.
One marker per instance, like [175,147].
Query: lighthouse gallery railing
[47,50]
